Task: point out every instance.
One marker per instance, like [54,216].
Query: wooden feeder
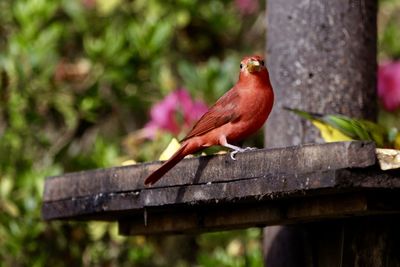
[330,204]
[264,187]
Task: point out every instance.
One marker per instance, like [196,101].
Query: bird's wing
[222,112]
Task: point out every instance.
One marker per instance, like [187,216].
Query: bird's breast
[254,108]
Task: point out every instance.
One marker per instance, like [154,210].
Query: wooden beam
[258,214]
[263,187]
[212,169]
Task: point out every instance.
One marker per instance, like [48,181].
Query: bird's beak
[253,66]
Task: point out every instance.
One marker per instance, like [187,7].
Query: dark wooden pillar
[321,56]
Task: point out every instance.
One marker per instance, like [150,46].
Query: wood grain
[220,168]
[265,187]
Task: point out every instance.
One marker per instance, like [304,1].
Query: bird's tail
[186,149]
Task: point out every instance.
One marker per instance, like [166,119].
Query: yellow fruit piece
[128,162]
[388,158]
[170,150]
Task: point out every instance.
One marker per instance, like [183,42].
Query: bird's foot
[249,148]
[234,152]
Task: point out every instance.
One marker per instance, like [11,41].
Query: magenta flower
[389,85]
[164,115]
[89,4]
[247,7]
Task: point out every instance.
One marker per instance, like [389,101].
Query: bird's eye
[241,66]
[262,62]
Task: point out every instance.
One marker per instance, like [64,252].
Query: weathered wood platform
[263,187]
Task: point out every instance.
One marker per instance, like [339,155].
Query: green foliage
[242,250]
[76,78]
[388,29]
[209,81]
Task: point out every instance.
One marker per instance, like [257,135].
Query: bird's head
[252,65]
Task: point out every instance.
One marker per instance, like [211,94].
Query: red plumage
[237,114]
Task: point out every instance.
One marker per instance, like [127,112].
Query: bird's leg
[235,149]
[223,142]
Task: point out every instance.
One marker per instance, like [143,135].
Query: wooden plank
[203,170]
[257,175]
[280,212]
[273,186]
[106,206]
[268,187]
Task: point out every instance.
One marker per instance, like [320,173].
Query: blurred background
[90,84]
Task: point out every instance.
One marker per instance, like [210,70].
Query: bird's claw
[249,148]
[233,153]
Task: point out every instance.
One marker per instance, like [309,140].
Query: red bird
[239,113]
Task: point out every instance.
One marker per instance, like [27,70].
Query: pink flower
[246,7]
[164,114]
[389,85]
[89,4]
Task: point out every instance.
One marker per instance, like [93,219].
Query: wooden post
[322,58]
